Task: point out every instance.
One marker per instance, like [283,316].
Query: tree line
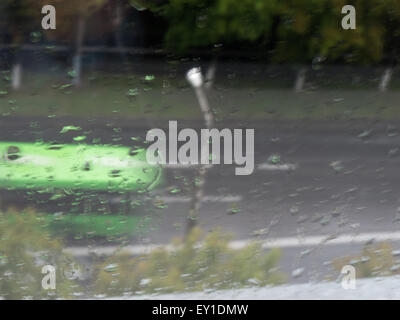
[283,31]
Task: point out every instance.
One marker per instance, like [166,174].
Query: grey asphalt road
[333,178]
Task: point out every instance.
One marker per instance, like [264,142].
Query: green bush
[191,265]
[374,261]
[25,247]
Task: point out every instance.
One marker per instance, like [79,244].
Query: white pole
[195,78]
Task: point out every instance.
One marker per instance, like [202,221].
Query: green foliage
[374,260]
[355,45]
[18,17]
[297,31]
[25,246]
[189,267]
[312,28]
[290,30]
[196,23]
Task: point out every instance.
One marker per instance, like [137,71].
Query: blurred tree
[202,23]
[72,16]
[199,23]
[310,30]
[388,12]
[117,22]
[22,18]
[298,34]
[18,17]
[372,40]
[306,31]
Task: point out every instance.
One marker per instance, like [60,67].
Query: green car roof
[69,166]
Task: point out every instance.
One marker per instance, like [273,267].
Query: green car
[80,168]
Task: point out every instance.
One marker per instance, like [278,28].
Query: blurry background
[323,102]
[287,36]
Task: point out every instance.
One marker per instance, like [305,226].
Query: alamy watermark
[49,20]
[349,277]
[349,20]
[196,150]
[49,280]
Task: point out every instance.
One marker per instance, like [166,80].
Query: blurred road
[333,178]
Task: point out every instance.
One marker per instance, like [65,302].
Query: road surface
[334,179]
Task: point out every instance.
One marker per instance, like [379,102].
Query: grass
[101,96]
[133,97]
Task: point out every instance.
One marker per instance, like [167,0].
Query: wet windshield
[167,147]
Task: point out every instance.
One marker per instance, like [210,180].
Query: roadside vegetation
[25,247]
[375,260]
[196,264]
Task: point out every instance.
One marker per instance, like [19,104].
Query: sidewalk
[366,289]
